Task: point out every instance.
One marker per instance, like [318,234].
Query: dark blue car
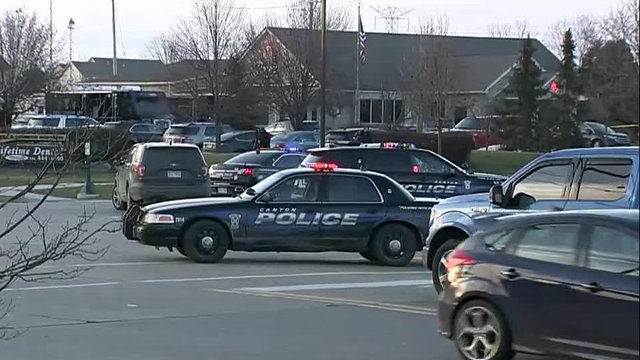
[304,209]
[558,284]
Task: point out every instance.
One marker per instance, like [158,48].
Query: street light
[323,78]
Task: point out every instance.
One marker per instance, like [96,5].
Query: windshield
[265,184]
[253,158]
[472,124]
[341,135]
[183,130]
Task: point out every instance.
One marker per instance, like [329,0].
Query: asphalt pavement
[137,302]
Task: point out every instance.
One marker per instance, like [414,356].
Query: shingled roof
[138,70]
[479,62]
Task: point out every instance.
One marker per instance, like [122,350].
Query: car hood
[178,204]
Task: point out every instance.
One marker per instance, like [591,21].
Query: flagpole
[356,110]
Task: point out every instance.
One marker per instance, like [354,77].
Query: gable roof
[139,70]
[478,61]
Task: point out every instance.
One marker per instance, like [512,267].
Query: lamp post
[88,190]
[323,77]
[70,27]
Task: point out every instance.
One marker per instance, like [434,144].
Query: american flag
[362,41]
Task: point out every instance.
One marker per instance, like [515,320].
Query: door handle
[510,274]
[592,287]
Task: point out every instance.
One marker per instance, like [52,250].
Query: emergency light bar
[324,167]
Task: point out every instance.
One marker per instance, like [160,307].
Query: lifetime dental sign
[31,154]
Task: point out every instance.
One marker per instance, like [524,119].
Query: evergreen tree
[561,128]
[521,132]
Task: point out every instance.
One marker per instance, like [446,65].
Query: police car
[315,209]
[422,172]
[245,170]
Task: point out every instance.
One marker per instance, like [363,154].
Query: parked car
[348,137]
[422,172]
[138,132]
[59,122]
[296,141]
[245,170]
[194,133]
[595,134]
[483,129]
[235,141]
[155,172]
[571,179]
[556,284]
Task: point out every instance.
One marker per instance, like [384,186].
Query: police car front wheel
[393,245]
[205,241]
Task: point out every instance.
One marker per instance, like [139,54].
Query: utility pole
[323,92]
[70,27]
[113,25]
[50,32]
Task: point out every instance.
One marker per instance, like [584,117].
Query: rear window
[183,130]
[344,159]
[341,135]
[472,124]
[159,156]
[266,159]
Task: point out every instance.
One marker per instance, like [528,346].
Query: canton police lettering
[267,216]
[430,189]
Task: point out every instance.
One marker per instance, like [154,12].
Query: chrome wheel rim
[395,245]
[207,241]
[478,334]
[442,267]
[115,199]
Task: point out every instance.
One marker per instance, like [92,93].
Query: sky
[138,21]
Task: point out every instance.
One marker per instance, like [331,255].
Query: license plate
[222,190]
[174,174]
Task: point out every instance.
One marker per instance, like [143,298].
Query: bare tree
[27,241]
[622,24]
[586,31]
[430,78]
[306,14]
[519,29]
[24,45]
[163,47]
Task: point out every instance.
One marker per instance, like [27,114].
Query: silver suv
[194,133]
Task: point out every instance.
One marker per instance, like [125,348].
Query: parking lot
[139,303]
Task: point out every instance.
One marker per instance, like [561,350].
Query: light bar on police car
[158,219]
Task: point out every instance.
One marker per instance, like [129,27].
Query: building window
[376,111]
[365,111]
[460,113]
[387,109]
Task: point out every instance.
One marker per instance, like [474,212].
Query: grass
[18,176]
[499,162]
[103,191]
[213,158]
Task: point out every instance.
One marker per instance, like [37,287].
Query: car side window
[246,137]
[427,163]
[545,183]
[210,131]
[388,161]
[350,189]
[296,189]
[140,128]
[288,161]
[613,250]
[604,180]
[553,243]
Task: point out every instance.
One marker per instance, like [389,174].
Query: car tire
[597,143]
[438,269]
[116,201]
[367,255]
[205,241]
[181,250]
[393,245]
[479,331]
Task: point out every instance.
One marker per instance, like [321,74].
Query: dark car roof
[626,217]
[619,150]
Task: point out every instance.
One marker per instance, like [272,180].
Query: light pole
[323,77]
[70,27]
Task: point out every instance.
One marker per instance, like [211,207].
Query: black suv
[154,172]
[422,172]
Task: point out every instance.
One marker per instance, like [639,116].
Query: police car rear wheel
[205,241]
[393,245]
[367,255]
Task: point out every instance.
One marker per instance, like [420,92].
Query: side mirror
[238,190]
[465,167]
[496,195]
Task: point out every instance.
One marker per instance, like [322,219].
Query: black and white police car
[422,172]
[315,209]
